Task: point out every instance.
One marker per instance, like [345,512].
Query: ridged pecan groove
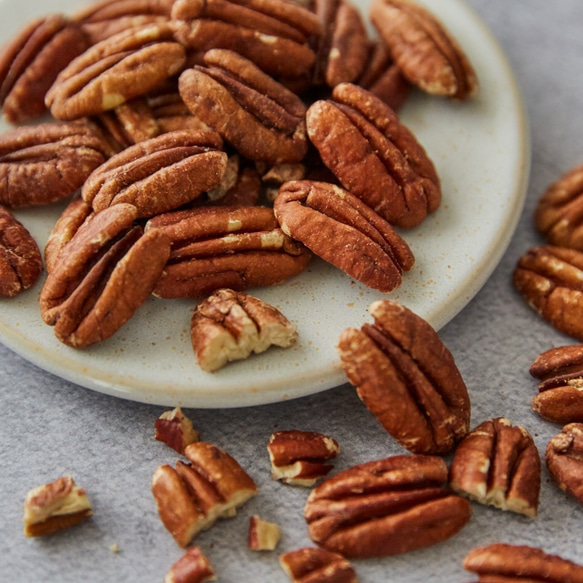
[564,459]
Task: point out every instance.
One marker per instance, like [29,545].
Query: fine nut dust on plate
[481,151]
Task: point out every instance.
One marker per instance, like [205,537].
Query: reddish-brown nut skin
[192,567]
[313,565]
[564,459]
[20,259]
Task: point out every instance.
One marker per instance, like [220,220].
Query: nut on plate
[413,508]
[564,458]
[192,567]
[175,429]
[407,378]
[313,565]
[230,325]
[193,496]
[262,535]
[55,506]
[559,371]
[498,464]
[505,562]
[299,457]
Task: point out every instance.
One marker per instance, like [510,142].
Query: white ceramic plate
[481,151]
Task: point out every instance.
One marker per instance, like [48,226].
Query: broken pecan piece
[298,457]
[30,63]
[262,119]
[564,458]
[20,259]
[262,535]
[385,507]
[192,567]
[312,565]
[341,229]
[175,429]
[55,506]
[230,325]
[108,271]
[193,496]
[424,50]
[47,162]
[550,279]
[375,156]
[560,372]
[225,247]
[504,562]
[498,464]
[407,378]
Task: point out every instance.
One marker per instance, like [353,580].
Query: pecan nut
[193,496]
[374,155]
[230,325]
[94,289]
[192,567]
[159,174]
[560,372]
[312,565]
[550,280]
[225,247]
[20,259]
[341,229]
[262,535]
[262,119]
[558,215]
[175,429]
[424,50]
[564,459]
[504,562]
[407,378]
[498,464]
[385,507]
[47,162]
[31,62]
[115,70]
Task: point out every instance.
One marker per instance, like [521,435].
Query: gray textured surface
[50,427]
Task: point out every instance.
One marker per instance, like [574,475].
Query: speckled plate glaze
[481,150]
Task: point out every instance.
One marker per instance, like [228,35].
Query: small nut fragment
[192,567]
[312,565]
[504,562]
[407,378]
[385,507]
[297,457]
[55,506]
[560,372]
[175,430]
[20,259]
[498,464]
[263,535]
[230,325]
[564,458]
[193,496]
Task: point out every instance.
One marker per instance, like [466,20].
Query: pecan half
[560,372]
[108,271]
[341,229]
[262,535]
[225,247]
[20,259]
[262,119]
[564,458]
[55,506]
[375,157]
[385,507]
[175,429]
[230,325]
[559,213]
[504,562]
[192,567]
[260,31]
[30,63]
[424,50]
[298,457]
[407,378]
[498,464]
[115,70]
[47,162]
[159,174]
[312,565]
[550,279]
[193,496]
